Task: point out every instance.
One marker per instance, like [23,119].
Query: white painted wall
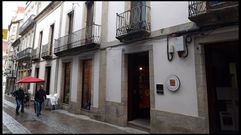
[78,8]
[183,101]
[78,15]
[42,69]
[113,75]
[67,7]
[98,12]
[79,20]
[162,14]
[114,7]
[167,14]
[44,25]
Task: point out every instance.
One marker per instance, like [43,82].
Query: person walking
[19,95]
[39,98]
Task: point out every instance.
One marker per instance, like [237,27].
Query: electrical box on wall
[180,44]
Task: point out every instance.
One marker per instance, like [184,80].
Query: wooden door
[67,71]
[47,78]
[86,84]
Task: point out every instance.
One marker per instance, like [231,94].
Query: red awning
[30,79]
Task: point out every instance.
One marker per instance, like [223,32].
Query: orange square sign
[172,82]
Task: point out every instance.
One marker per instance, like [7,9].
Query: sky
[9,9]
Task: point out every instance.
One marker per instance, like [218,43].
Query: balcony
[82,40]
[46,52]
[133,24]
[36,54]
[26,53]
[206,13]
[27,25]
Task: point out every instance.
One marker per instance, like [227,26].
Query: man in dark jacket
[39,98]
[19,95]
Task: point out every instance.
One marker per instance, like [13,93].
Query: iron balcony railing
[46,51]
[25,53]
[196,8]
[29,22]
[133,20]
[82,37]
[36,54]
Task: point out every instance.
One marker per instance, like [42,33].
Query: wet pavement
[55,121]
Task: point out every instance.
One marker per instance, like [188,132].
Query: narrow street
[54,121]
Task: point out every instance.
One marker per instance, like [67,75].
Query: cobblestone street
[55,121]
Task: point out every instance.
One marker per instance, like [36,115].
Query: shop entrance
[223,85]
[138,86]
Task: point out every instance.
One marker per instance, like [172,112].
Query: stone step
[140,124]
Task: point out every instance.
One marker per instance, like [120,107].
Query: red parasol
[30,79]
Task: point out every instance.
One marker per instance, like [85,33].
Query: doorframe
[63,61]
[128,81]
[81,58]
[220,35]
[136,48]
[91,85]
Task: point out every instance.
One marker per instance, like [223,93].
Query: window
[40,40]
[51,37]
[70,26]
[70,22]
[89,22]
[138,16]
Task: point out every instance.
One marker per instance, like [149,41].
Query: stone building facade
[143,64]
